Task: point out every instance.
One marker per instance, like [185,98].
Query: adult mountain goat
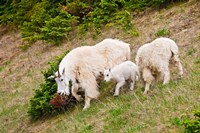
[153,60]
[82,66]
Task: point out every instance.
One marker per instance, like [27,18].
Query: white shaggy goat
[153,60]
[84,65]
[122,73]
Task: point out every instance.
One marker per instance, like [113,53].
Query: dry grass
[160,111]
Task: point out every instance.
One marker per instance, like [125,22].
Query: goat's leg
[147,86]
[118,86]
[148,79]
[133,78]
[74,92]
[87,102]
[178,64]
[166,74]
[113,89]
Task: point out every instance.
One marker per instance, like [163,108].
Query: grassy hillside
[161,111]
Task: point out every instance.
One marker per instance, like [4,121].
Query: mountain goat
[122,73]
[153,60]
[82,66]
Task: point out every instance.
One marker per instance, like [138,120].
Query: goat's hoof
[111,92]
[85,108]
[165,83]
[79,98]
[116,95]
[145,93]
[180,76]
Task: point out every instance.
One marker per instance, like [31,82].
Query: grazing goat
[153,60]
[121,73]
[84,65]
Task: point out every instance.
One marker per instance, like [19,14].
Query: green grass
[199,35]
[162,32]
[132,112]
[197,61]
[1,68]
[191,51]
[160,111]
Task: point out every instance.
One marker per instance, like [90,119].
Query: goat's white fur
[85,64]
[153,60]
[121,73]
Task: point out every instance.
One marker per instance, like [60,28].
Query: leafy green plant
[162,32]
[1,68]
[79,8]
[15,12]
[115,112]
[39,103]
[87,128]
[56,28]
[31,30]
[24,47]
[176,121]
[100,16]
[193,125]
[197,61]
[191,51]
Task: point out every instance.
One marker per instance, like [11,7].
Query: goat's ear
[52,76]
[59,73]
[63,71]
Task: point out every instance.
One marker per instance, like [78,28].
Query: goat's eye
[61,80]
[107,75]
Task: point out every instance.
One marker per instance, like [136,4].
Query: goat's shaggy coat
[84,65]
[153,60]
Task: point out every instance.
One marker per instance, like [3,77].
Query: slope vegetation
[161,111]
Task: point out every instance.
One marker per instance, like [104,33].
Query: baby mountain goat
[153,60]
[121,73]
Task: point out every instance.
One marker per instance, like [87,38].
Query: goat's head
[107,75]
[62,81]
